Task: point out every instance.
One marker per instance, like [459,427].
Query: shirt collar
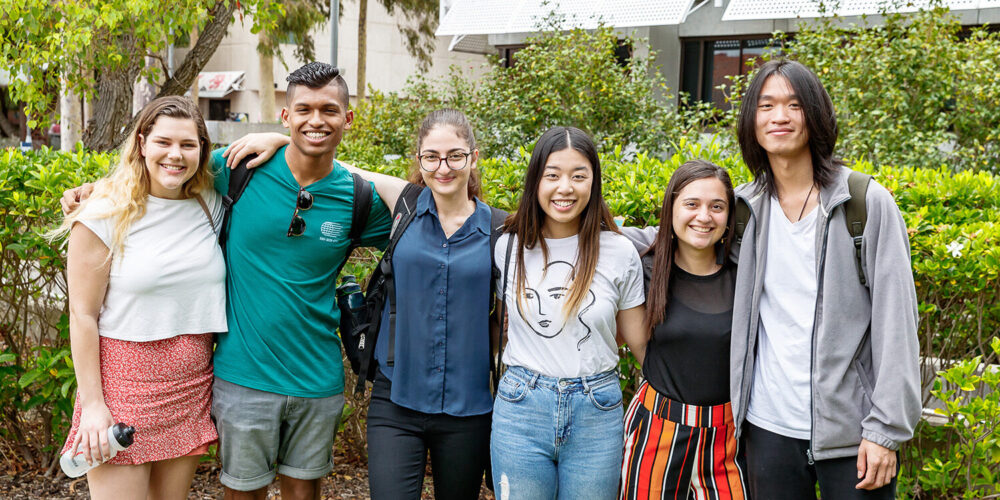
[480,218]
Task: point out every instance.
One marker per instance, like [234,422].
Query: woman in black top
[679,427]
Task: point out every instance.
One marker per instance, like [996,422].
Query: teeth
[316,135]
[563,203]
[701,229]
[173,167]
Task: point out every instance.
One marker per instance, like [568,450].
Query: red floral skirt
[162,388]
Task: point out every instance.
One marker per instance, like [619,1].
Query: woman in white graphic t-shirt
[569,282]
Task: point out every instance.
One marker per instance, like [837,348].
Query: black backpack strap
[495,365]
[742,217]
[361,206]
[239,178]
[497,219]
[403,214]
[856,215]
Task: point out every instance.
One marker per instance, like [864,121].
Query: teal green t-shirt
[281,303]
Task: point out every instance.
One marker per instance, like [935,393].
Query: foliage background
[912,98]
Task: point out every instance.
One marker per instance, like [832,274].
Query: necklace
[804,203]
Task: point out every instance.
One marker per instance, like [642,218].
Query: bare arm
[388,187]
[631,326]
[87,274]
[264,144]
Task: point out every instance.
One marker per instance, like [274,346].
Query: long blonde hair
[126,188]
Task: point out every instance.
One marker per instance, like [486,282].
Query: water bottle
[351,303]
[120,436]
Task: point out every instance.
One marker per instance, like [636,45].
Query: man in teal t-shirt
[279,384]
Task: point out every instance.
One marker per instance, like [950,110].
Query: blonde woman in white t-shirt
[571,281]
[146,283]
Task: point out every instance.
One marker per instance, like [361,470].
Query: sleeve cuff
[879,440]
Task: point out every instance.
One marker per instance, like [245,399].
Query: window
[218,109]
[705,64]
[623,53]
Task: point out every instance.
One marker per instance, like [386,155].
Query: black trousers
[399,439]
[778,469]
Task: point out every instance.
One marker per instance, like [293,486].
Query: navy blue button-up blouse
[441,362]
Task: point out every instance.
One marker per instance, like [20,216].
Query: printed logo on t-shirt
[541,306]
[331,231]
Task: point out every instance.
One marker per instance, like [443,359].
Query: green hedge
[953,220]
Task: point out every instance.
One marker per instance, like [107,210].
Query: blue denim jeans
[556,437]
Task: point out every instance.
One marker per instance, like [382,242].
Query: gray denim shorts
[262,434]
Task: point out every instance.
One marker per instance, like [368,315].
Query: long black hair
[820,121]
[529,219]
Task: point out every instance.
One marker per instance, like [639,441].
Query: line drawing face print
[543,304]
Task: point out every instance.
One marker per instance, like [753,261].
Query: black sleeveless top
[687,357]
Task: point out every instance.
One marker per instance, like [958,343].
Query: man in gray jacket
[825,384]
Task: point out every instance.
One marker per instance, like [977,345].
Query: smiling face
[780,122]
[171,153]
[316,119]
[700,214]
[440,142]
[564,192]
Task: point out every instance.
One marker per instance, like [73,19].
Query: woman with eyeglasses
[146,284]
[571,282]
[432,392]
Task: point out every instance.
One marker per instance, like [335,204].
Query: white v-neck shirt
[780,399]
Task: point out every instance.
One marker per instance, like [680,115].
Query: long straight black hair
[529,219]
[820,121]
[665,245]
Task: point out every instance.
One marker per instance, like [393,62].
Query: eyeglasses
[456,161]
[303,202]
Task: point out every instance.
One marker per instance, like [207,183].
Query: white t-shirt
[539,337]
[780,399]
[171,278]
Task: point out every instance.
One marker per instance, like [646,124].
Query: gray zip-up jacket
[865,375]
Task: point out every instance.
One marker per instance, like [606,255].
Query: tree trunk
[267,105]
[70,121]
[105,128]
[362,47]
[194,85]
[112,106]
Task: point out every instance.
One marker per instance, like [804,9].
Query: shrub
[36,373]
[562,77]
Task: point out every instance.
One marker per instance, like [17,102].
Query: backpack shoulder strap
[360,209]
[495,368]
[742,217]
[361,206]
[856,215]
[239,178]
[497,219]
[402,215]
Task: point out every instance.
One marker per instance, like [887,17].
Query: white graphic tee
[541,336]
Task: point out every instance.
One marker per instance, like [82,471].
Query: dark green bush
[36,373]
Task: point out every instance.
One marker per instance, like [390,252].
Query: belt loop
[586,386]
[534,380]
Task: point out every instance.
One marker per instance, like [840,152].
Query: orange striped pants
[679,451]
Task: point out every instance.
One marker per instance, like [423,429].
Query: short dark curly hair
[317,75]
